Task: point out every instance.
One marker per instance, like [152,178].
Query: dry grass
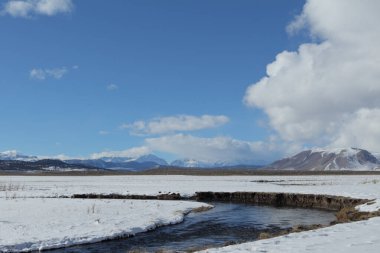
[11,187]
[349,214]
[373,181]
[202,209]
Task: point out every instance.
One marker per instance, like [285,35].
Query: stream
[225,224]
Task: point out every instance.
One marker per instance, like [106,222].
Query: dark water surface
[226,223]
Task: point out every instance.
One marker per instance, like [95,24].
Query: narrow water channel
[225,224]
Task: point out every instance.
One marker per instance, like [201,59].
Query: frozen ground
[53,186]
[35,224]
[353,237]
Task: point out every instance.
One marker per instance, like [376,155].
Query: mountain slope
[325,160]
[189,163]
[43,165]
[151,158]
[192,163]
[122,163]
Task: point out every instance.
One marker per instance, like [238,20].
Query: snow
[55,168]
[360,236]
[364,186]
[350,237]
[36,224]
[346,152]
[192,163]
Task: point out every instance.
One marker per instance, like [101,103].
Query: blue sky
[75,72]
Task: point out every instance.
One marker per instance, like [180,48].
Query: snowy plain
[19,190]
[44,223]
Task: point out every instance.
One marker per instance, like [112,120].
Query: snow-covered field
[35,224]
[23,207]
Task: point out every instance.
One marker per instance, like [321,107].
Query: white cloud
[112,87]
[37,74]
[59,157]
[103,132]
[28,8]
[218,149]
[56,73]
[327,93]
[18,8]
[42,74]
[173,124]
[132,153]
[362,130]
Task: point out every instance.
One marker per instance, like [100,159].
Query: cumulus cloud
[42,74]
[172,124]
[28,8]
[132,153]
[363,129]
[218,149]
[327,93]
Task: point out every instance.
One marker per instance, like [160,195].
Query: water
[225,224]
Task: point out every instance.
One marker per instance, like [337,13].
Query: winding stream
[225,224]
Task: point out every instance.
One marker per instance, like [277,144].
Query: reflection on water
[225,224]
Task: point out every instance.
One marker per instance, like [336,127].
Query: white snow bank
[370,206]
[36,224]
[360,236]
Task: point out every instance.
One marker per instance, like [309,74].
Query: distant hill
[122,163]
[152,162]
[327,160]
[192,163]
[43,165]
[99,163]
[140,163]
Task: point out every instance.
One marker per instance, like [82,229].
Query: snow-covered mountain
[190,163]
[137,163]
[151,158]
[140,159]
[16,156]
[193,163]
[325,160]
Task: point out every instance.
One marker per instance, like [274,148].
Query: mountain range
[308,160]
[122,163]
[144,162]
